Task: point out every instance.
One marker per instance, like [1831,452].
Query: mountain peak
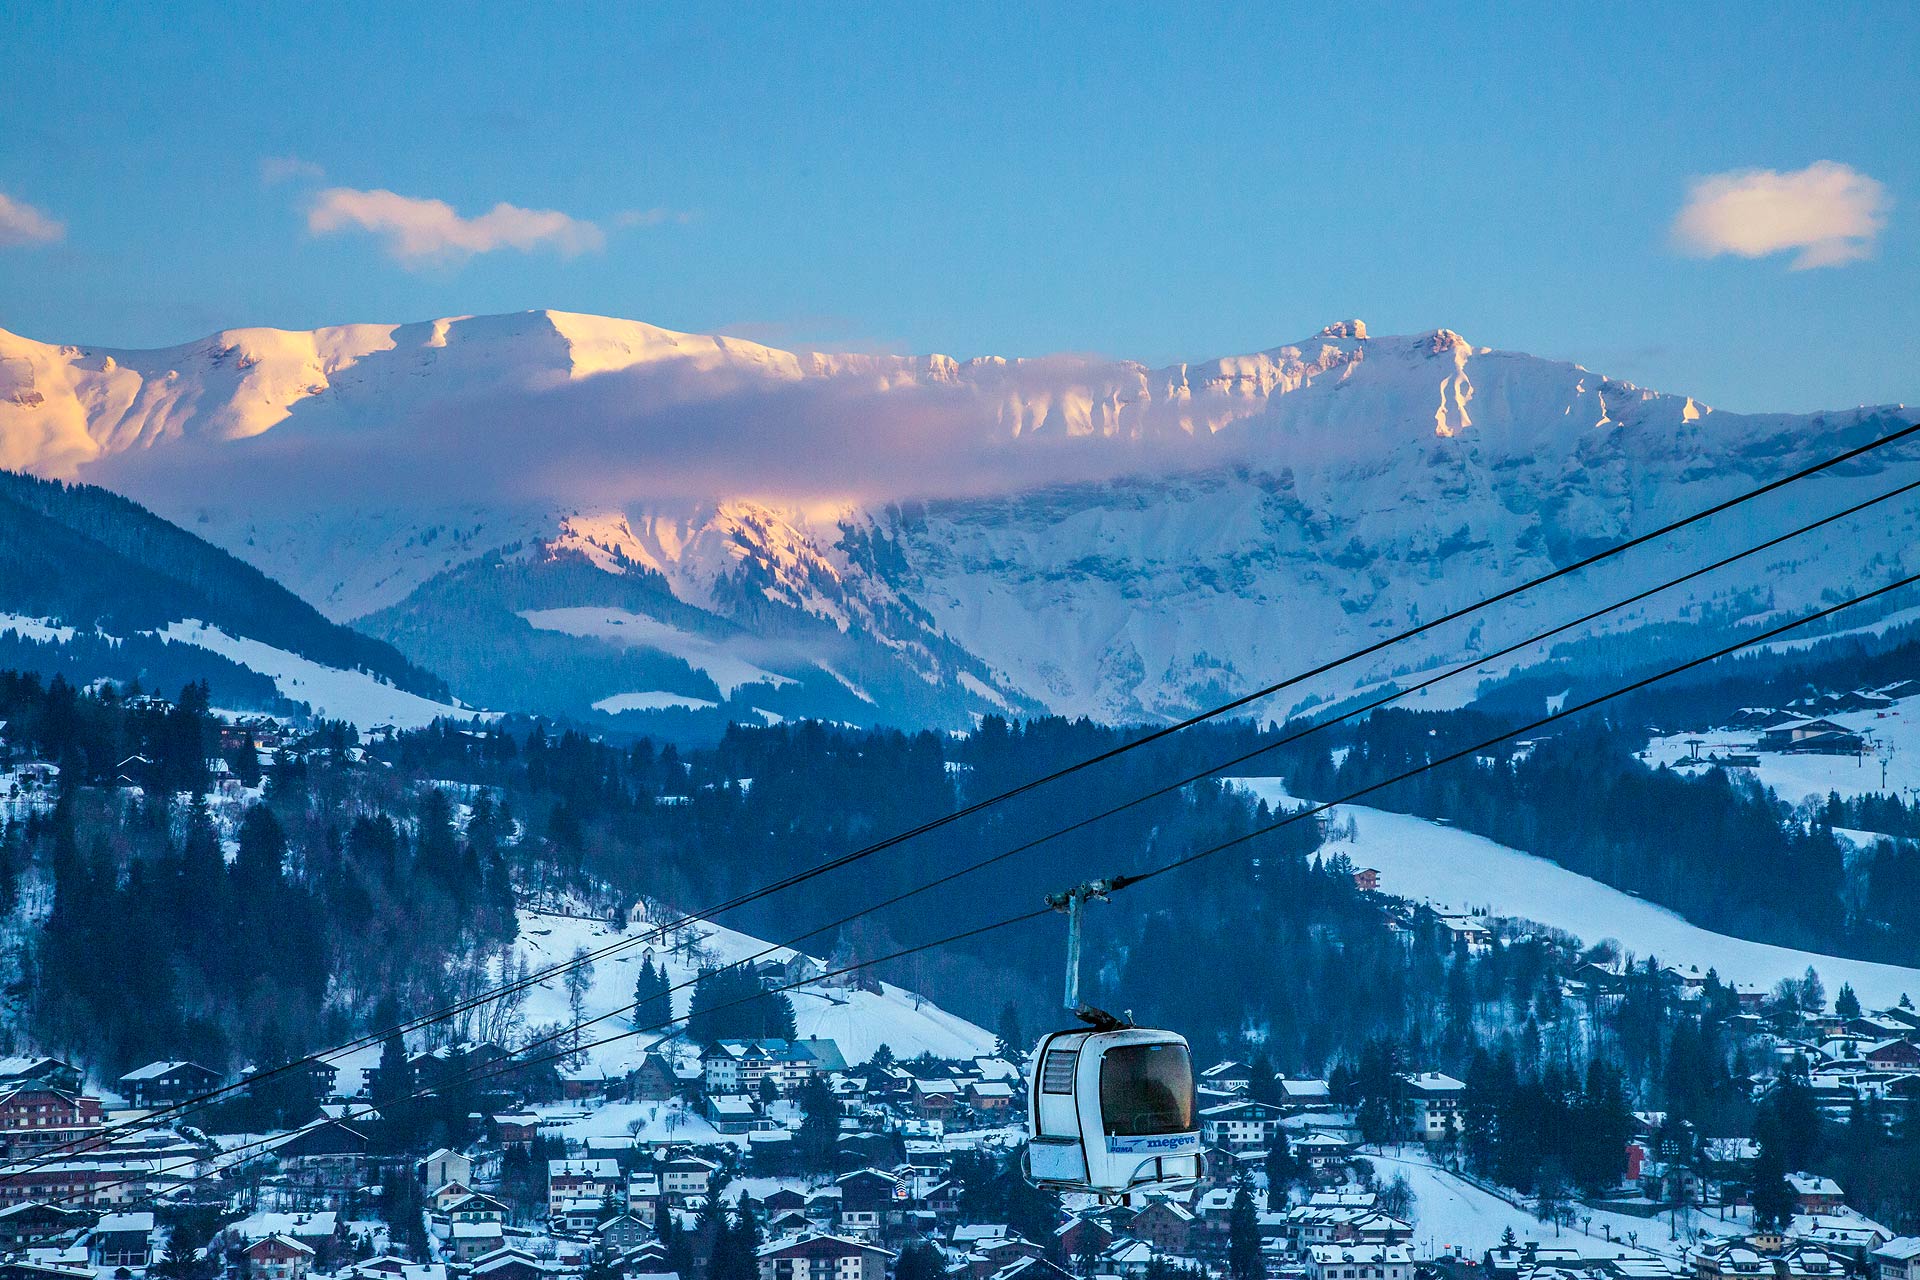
[1355,329]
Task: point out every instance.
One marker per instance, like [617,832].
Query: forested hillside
[87,558]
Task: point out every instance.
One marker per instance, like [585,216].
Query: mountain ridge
[1069,533]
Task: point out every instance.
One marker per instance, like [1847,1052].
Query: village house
[1897,1259]
[444,1166]
[1240,1126]
[1359,1262]
[591,1180]
[278,1257]
[166,1084]
[866,1196]
[823,1257]
[1813,1194]
[686,1175]
[1166,1225]
[34,1222]
[469,1240]
[739,1066]
[37,1118]
[518,1129]
[1438,1101]
[122,1240]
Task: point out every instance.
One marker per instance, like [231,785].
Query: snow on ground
[858,1021]
[1795,777]
[355,696]
[717,658]
[1452,1215]
[651,701]
[657,1122]
[1424,860]
[40,629]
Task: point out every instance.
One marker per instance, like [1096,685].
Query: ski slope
[1426,861]
[858,1021]
[1454,1216]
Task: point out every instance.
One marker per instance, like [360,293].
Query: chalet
[1814,1194]
[49,1073]
[1438,1102]
[1367,879]
[1846,1235]
[624,1232]
[1813,737]
[1227,1077]
[516,1130]
[1893,1055]
[1080,1237]
[1466,932]
[935,1099]
[333,1143]
[591,1180]
[1897,1259]
[1165,1224]
[1359,1262]
[476,1207]
[866,1196]
[1240,1126]
[166,1084]
[686,1175]
[731,1112]
[122,1240]
[33,1222]
[278,1257]
[989,1096]
[37,1118]
[1321,1151]
[1305,1095]
[823,1257]
[654,1080]
[507,1263]
[470,1240]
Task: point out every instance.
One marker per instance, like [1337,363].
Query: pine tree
[1846,1004]
[1244,1261]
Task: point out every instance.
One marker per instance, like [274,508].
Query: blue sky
[1154,182]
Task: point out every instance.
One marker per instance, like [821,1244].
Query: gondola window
[1146,1089]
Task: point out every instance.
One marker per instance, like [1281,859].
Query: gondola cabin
[1112,1112]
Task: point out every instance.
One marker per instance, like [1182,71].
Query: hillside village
[703,1154]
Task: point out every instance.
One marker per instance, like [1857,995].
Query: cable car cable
[1118,882]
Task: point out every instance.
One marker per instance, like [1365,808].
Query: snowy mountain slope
[858,1021]
[1425,861]
[1092,536]
[92,585]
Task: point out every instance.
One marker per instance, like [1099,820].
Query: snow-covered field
[1423,860]
[354,696]
[858,1021]
[1452,1215]
[653,700]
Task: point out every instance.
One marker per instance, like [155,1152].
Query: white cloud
[277,169]
[420,232]
[22,225]
[1829,212]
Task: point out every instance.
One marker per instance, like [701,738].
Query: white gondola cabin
[1112,1112]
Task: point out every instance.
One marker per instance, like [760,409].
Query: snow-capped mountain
[650,515]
